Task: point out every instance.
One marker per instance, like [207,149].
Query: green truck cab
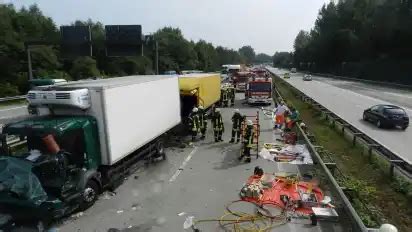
[42,82]
[36,181]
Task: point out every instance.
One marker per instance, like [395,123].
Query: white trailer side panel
[137,113]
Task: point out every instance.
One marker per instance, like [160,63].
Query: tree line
[368,39]
[30,24]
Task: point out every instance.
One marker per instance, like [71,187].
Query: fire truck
[259,90]
[240,79]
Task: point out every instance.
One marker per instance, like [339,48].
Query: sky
[266,25]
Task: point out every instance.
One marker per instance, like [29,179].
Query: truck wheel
[160,149]
[90,194]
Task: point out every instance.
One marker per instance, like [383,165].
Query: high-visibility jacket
[202,119]
[194,121]
[217,122]
[249,136]
[224,95]
[237,120]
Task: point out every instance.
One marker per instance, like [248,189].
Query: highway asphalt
[348,99]
[198,181]
[12,112]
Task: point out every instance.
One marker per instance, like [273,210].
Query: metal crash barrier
[356,221]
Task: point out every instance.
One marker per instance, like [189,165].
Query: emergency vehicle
[259,90]
[240,79]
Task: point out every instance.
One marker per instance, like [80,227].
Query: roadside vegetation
[18,26]
[357,38]
[376,197]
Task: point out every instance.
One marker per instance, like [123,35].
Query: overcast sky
[266,25]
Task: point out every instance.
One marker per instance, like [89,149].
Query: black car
[387,116]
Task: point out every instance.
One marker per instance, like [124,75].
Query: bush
[8,90]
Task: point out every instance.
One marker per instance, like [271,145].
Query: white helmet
[302,124]
[387,228]
[249,122]
[200,107]
[195,110]
[236,111]
[217,110]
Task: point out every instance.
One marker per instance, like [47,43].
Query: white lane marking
[14,108]
[182,166]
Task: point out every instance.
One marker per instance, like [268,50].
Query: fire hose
[259,221]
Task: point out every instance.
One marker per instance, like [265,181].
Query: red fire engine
[259,90]
[240,79]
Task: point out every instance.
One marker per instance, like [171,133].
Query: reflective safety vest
[249,136]
[224,95]
[194,122]
[237,119]
[202,119]
[217,122]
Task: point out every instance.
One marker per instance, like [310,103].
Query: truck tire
[160,149]
[90,194]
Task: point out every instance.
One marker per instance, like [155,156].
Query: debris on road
[77,215]
[107,195]
[181,214]
[188,222]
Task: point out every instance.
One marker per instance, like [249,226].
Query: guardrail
[6,99]
[394,160]
[357,221]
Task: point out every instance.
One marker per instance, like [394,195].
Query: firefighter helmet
[217,110]
[387,228]
[236,110]
[200,107]
[249,122]
[194,110]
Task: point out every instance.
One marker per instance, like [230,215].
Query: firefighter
[224,97]
[218,127]
[237,120]
[232,95]
[202,121]
[194,123]
[247,141]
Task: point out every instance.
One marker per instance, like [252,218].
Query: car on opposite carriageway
[307,77]
[387,116]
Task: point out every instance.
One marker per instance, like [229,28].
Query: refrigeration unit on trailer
[89,135]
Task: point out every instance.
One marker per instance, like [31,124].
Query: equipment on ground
[89,135]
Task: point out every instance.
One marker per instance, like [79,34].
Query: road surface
[197,181]
[12,112]
[348,99]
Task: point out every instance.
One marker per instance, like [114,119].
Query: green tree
[207,56]
[84,67]
[175,52]
[248,53]
[263,58]
[283,60]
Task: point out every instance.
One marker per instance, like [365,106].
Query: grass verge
[14,102]
[386,198]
